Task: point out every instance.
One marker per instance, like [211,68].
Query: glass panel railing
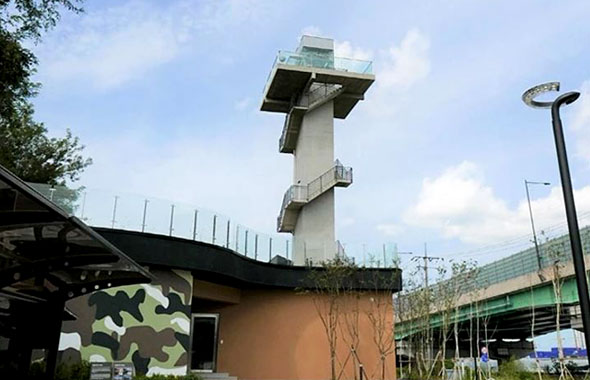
[108,209]
[324,62]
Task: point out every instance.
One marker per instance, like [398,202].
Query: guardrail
[338,173]
[118,210]
[324,62]
[321,62]
[524,262]
[99,208]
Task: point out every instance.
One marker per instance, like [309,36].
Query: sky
[165,96]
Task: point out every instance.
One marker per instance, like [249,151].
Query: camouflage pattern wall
[146,324]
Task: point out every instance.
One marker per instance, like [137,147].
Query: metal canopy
[46,258]
[46,254]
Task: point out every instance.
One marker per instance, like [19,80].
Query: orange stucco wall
[278,334]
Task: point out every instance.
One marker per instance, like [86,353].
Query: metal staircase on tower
[317,95]
[299,195]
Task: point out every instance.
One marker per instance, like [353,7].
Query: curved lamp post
[566,184]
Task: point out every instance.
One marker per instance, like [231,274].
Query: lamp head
[568,97]
[528,97]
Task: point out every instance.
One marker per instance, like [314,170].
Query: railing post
[256,247]
[270,250]
[171,218]
[83,205]
[227,235]
[195,224]
[145,203]
[214,227]
[114,212]
[246,244]
[237,237]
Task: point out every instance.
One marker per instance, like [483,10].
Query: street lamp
[528,198]
[568,195]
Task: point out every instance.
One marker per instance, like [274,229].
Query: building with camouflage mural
[147,324]
[211,310]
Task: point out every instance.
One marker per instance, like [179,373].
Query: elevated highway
[502,297]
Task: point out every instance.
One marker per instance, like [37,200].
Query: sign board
[111,371]
[101,371]
[122,371]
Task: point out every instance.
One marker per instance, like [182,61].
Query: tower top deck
[314,62]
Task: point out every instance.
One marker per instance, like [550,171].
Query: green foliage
[514,370]
[74,371]
[30,154]
[27,19]
[81,371]
[26,150]
[18,64]
[64,371]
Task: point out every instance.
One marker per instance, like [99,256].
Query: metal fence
[99,208]
[107,209]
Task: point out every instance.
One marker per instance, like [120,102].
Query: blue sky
[165,96]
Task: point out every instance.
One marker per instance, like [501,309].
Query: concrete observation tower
[312,87]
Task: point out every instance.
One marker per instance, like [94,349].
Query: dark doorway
[204,342]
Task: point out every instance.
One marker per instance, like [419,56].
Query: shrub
[514,370]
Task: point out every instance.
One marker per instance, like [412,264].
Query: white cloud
[460,205]
[243,103]
[113,46]
[390,229]
[346,50]
[345,222]
[311,30]
[407,63]
[192,172]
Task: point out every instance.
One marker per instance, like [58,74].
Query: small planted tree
[556,255]
[380,315]
[328,287]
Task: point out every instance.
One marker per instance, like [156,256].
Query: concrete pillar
[314,234]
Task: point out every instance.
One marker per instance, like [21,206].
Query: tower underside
[312,87]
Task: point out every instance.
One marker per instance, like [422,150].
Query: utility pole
[528,198]
[397,263]
[427,259]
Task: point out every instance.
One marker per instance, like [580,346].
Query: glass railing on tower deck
[324,62]
[321,62]
[118,210]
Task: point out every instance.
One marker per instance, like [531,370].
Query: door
[204,342]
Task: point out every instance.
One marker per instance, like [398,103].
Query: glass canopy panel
[44,253]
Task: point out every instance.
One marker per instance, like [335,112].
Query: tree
[30,154]
[330,284]
[26,149]
[380,315]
